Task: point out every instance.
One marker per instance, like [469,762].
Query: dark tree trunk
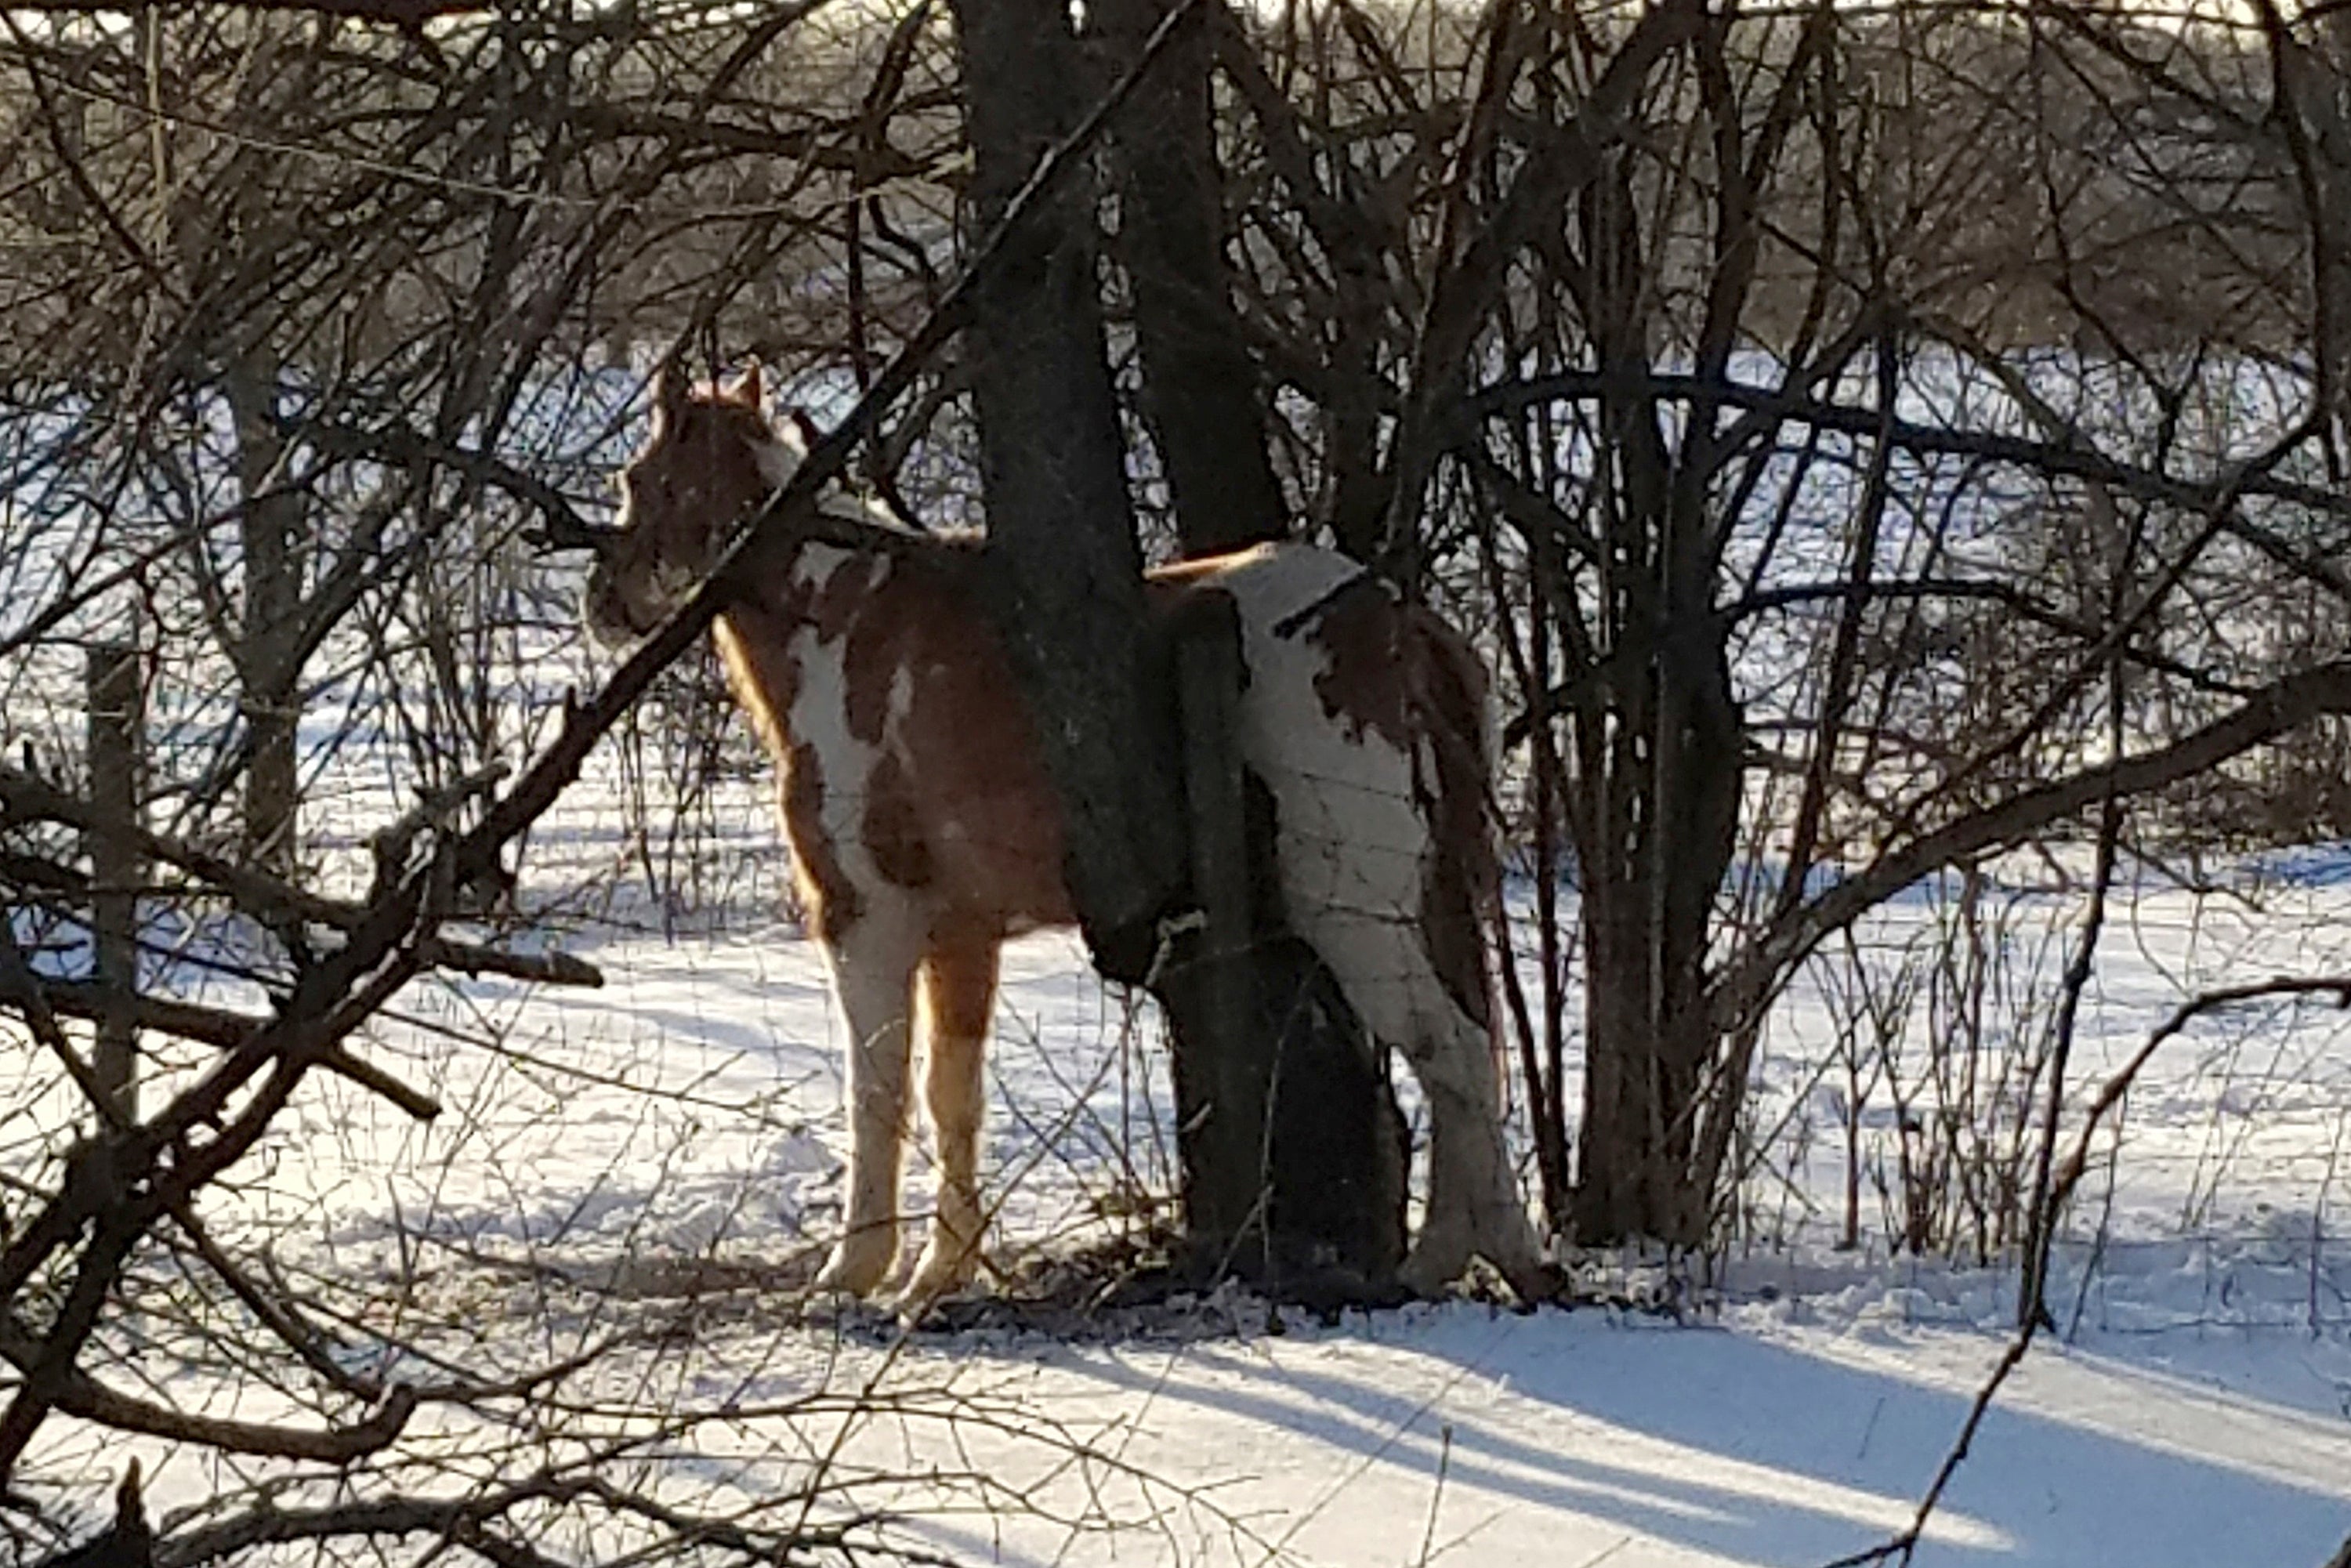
[1068,572]
[1262,1037]
[1331,1178]
[1293,1148]
[1200,391]
[1657,767]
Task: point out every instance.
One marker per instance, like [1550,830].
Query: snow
[1583,1437]
[657,1164]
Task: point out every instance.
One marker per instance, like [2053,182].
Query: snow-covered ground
[663,1153]
[669,1146]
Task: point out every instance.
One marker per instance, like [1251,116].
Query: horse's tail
[1462,903]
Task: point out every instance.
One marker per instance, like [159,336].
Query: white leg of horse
[958,987]
[1473,1200]
[873,971]
[1474,1208]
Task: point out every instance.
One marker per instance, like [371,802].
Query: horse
[925,831]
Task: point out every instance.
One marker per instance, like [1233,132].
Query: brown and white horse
[925,831]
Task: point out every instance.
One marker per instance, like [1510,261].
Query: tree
[1247,1003]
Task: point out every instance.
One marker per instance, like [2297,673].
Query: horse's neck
[756,633]
[775,586]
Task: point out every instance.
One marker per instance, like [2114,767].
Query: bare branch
[2284,706]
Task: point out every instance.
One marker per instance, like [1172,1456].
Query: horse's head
[714,455]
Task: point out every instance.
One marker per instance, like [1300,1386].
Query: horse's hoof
[941,1271]
[857,1264]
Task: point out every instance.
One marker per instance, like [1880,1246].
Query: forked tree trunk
[1654,794]
[1259,1033]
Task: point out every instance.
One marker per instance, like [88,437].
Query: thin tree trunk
[1262,1040]
[1061,541]
[116,718]
[269,533]
[1222,1085]
[1200,390]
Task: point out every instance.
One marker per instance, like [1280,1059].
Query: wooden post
[1224,1069]
[1294,1154]
[117,726]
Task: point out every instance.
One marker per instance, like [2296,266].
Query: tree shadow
[1724,1444]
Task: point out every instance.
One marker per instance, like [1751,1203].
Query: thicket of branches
[1864,440]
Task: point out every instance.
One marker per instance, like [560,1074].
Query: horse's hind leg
[1473,1200]
[873,973]
[958,992]
[1474,1208]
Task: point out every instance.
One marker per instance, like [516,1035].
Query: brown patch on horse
[835,608]
[892,828]
[1397,671]
[912,619]
[883,644]
[1360,629]
[991,816]
[1462,880]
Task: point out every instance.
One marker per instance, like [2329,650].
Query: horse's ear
[750,389]
[669,395]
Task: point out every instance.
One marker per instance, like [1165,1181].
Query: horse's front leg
[873,974]
[958,987]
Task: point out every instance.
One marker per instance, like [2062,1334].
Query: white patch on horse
[818,721]
[874,962]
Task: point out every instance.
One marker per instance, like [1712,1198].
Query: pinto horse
[924,830]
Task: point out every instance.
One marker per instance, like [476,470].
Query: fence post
[1295,1155]
[116,719]
[1224,1078]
